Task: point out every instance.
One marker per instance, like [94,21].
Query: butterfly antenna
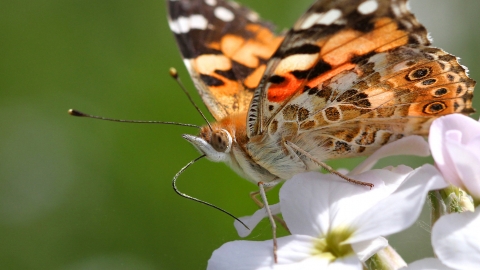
[174,184]
[174,74]
[81,114]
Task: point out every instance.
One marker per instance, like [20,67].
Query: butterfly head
[214,143]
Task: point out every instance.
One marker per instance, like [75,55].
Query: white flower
[456,240]
[411,145]
[335,224]
[455,144]
[456,243]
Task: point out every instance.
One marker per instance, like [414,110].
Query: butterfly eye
[221,141]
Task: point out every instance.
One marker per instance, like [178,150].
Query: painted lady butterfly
[349,77]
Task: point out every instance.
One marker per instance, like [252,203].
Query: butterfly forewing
[225,47]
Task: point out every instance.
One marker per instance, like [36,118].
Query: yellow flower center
[331,246]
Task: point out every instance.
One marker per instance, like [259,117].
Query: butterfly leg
[262,186]
[254,196]
[326,167]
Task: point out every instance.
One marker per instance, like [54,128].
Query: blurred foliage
[84,194]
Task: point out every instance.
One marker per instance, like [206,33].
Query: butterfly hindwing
[385,97]
[225,48]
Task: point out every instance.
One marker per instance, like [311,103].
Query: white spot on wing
[253,16]
[330,16]
[223,14]
[211,2]
[368,7]
[326,18]
[198,22]
[296,62]
[310,21]
[183,25]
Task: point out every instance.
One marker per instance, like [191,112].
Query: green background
[85,194]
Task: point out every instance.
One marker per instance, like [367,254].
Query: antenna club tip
[173,72]
[74,112]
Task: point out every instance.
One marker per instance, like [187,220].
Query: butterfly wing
[334,39]
[351,76]
[225,48]
[331,37]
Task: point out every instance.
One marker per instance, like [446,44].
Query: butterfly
[349,77]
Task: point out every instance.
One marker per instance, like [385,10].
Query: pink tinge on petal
[453,127]
[466,125]
[454,136]
[467,167]
[474,146]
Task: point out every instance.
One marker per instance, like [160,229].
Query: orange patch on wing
[248,51]
[341,47]
[394,44]
[329,74]
[279,92]
[229,88]
[253,79]
[208,63]
[230,44]
[214,45]
[263,35]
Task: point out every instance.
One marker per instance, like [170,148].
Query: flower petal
[253,220]
[456,240]
[347,263]
[293,250]
[411,145]
[366,249]
[467,166]
[310,200]
[442,128]
[297,253]
[242,255]
[468,126]
[399,210]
